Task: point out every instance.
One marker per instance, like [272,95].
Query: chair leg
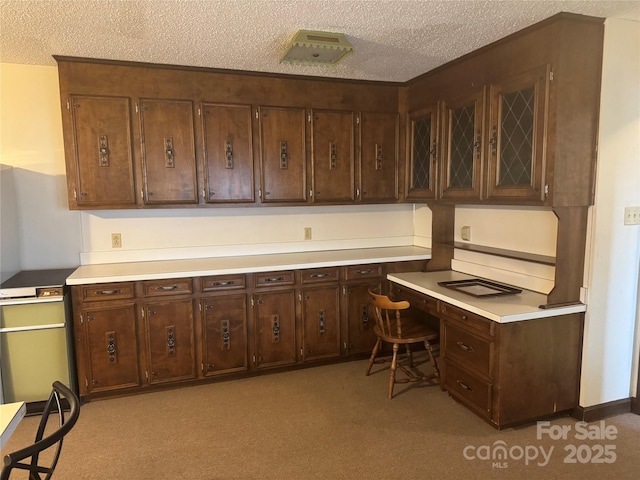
[434,363]
[409,354]
[372,359]
[394,366]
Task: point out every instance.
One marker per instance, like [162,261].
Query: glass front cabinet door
[462,158]
[422,167]
[517,137]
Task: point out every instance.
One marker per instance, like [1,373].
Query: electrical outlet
[307,233]
[116,240]
[465,233]
[632,215]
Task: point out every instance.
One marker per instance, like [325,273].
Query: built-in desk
[504,358]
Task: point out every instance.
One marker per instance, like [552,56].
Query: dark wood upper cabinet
[228,153]
[102,154]
[462,156]
[378,156]
[332,156]
[283,154]
[424,133]
[168,151]
[517,136]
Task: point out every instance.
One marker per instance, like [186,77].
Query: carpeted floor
[328,422]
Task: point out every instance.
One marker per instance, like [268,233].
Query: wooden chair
[54,440]
[392,328]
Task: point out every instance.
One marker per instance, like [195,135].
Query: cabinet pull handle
[171,340]
[112,349]
[228,151]
[365,272]
[275,328]
[225,335]
[274,279]
[108,292]
[284,156]
[167,287]
[321,322]
[464,317]
[333,156]
[494,140]
[434,151]
[223,284]
[103,148]
[169,154]
[319,275]
[466,348]
[465,386]
[379,157]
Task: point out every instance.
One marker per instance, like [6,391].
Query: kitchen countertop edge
[199,267]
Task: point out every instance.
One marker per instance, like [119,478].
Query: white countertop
[10,416]
[165,269]
[502,309]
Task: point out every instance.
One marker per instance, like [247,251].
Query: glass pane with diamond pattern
[421,153]
[516,137]
[462,132]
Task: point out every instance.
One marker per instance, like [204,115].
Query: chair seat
[412,332]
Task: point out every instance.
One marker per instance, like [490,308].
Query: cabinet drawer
[271,279]
[416,299]
[356,272]
[176,286]
[468,349]
[468,388]
[317,275]
[107,291]
[467,318]
[223,282]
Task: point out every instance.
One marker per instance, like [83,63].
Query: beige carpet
[327,422]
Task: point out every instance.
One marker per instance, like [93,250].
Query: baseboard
[635,405]
[604,410]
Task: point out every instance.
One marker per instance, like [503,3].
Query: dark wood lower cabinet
[170,340]
[136,336]
[108,347]
[224,334]
[275,325]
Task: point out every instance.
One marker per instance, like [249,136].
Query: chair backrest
[387,314]
[32,453]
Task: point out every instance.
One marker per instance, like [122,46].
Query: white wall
[609,367]
[31,142]
[9,238]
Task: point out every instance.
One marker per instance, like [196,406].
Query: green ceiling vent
[317,48]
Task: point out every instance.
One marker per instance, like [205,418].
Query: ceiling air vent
[317,48]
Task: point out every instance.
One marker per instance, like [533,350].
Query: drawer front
[416,299]
[468,349]
[467,318]
[107,291]
[471,390]
[274,279]
[318,275]
[223,282]
[356,272]
[158,288]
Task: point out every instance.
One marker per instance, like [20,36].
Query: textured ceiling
[394,40]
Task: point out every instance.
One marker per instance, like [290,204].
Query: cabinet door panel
[332,156]
[516,153]
[228,153]
[103,154]
[112,347]
[168,151]
[360,318]
[275,328]
[225,334]
[170,340]
[462,159]
[283,154]
[321,322]
[422,167]
[378,156]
